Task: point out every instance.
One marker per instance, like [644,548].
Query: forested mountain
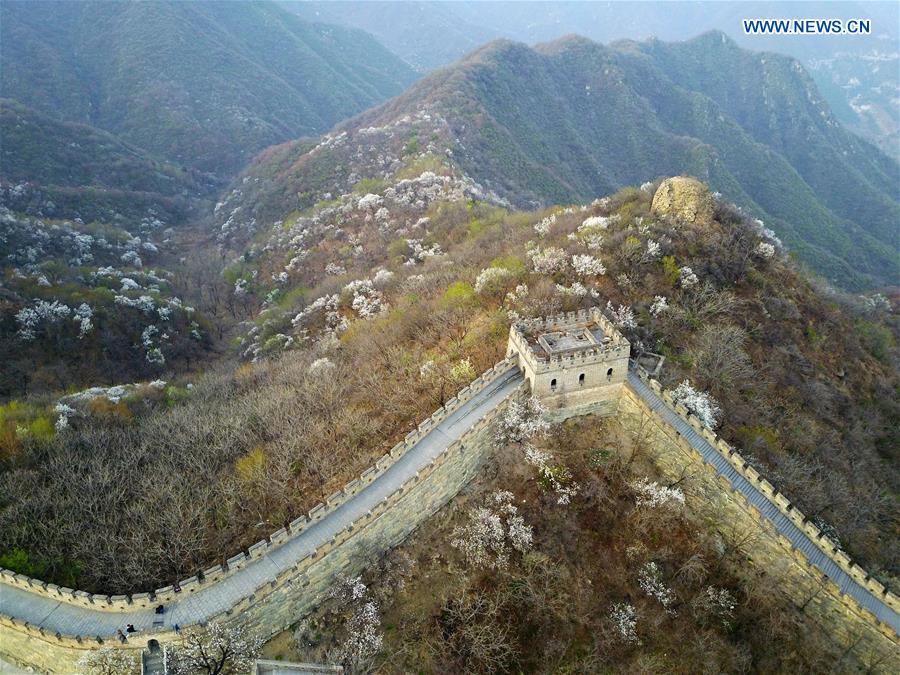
[202,84]
[72,170]
[857,74]
[572,119]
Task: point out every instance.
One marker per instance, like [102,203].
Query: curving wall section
[275,581]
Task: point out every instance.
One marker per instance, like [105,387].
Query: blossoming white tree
[588,265]
[624,618]
[363,636]
[522,420]
[659,305]
[687,278]
[492,532]
[653,495]
[107,661]
[701,404]
[651,582]
[623,317]
[215,649]
[554,477]
[549,260]
[491,279]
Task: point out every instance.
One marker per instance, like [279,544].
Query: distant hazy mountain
[858,75]
[572,119]
[72,170]
[204,84]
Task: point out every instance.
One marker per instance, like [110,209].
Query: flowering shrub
[491,278]
[321,366]
[588,265]
[368,302]
[363,637]
[215,648]
[31,320]
[491,532]
[107,661]
[701,404]
[623,317]
[549,260]
[653,495]
[658,306]
[553,477]
[687,278]
[765,250]
[523,419]
[370,202]
[624,618]
[717,602]
[543,228]
[576,290]
[651,582]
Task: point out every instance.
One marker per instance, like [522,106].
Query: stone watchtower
[576,363]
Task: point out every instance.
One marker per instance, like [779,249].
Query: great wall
[576,364]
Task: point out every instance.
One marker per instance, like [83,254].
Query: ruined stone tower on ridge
[576,363]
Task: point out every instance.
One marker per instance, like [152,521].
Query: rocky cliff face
[684,198]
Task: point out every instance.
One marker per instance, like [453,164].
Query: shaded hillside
[857,73]
[573,119]
[203,84]
[65,169]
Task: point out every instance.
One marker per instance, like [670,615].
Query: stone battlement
[575,362]
[573,373]
[188,586]
[784,505]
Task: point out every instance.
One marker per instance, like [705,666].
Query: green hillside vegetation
[403,295]
[67,169]
[571,119]
[204,85]
[89,304]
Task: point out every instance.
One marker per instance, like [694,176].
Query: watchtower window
[553,384]
[609,375]
[581,380]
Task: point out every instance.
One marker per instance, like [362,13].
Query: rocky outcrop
[684,198]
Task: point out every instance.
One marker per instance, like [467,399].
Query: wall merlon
[235,562]
[258,550]
[279,536]
[877,588]
[766,488]
[858,573]
[298,524]
[189,585]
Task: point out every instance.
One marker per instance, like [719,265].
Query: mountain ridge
[640,124]
[202,84]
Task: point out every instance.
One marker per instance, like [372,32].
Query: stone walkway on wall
[55,616]
[781,522]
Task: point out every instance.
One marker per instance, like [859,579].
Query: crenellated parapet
[575,362]
[273,603]
[841,586]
